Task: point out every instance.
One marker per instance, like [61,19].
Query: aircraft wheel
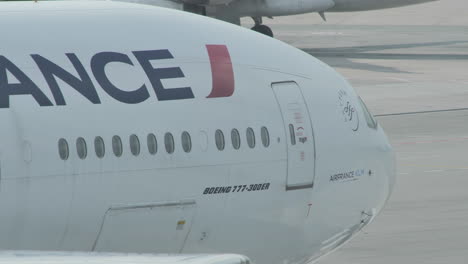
[265,30]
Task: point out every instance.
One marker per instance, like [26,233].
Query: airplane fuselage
[121,135]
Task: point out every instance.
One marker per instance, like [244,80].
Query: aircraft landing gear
[260,28]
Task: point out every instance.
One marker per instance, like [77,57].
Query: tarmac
[410,65]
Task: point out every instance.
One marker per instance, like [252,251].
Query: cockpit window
[371,122]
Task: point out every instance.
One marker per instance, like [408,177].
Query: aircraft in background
[232,10]
[126,128]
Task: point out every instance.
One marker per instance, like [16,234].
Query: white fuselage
[231,11]
[282,203]
[362,5]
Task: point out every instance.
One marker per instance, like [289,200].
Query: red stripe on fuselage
[221,71]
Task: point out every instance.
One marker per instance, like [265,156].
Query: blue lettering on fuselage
[82,83]
[98,65]
[25,85]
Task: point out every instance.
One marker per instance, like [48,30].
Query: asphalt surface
[410,65]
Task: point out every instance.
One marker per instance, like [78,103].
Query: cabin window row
[152,143]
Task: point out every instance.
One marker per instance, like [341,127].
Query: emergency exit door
[299,135]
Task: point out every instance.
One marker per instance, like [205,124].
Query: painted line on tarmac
[387,56]
[445,140]
[423,112]
[434,171]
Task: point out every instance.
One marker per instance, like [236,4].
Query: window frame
[152,149]
[265,136]
[134,139]
[186,138]
[83,146]
[115,139]
[63,143]
[169,138]
[99,140]
[250,134]
[221,143]
[235,132]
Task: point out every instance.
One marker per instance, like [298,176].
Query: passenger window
[186,142]
[219,139]
[371,122]
[265,137]
[99,147]
[134,145]
[152,144]
[117,146]
[292,134]
[235,138]
[250,137]
[169,143]
[81,148]
[64,151]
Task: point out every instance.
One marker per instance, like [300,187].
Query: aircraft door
[299,135]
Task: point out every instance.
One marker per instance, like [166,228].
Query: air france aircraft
[232,10]
[137,129]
